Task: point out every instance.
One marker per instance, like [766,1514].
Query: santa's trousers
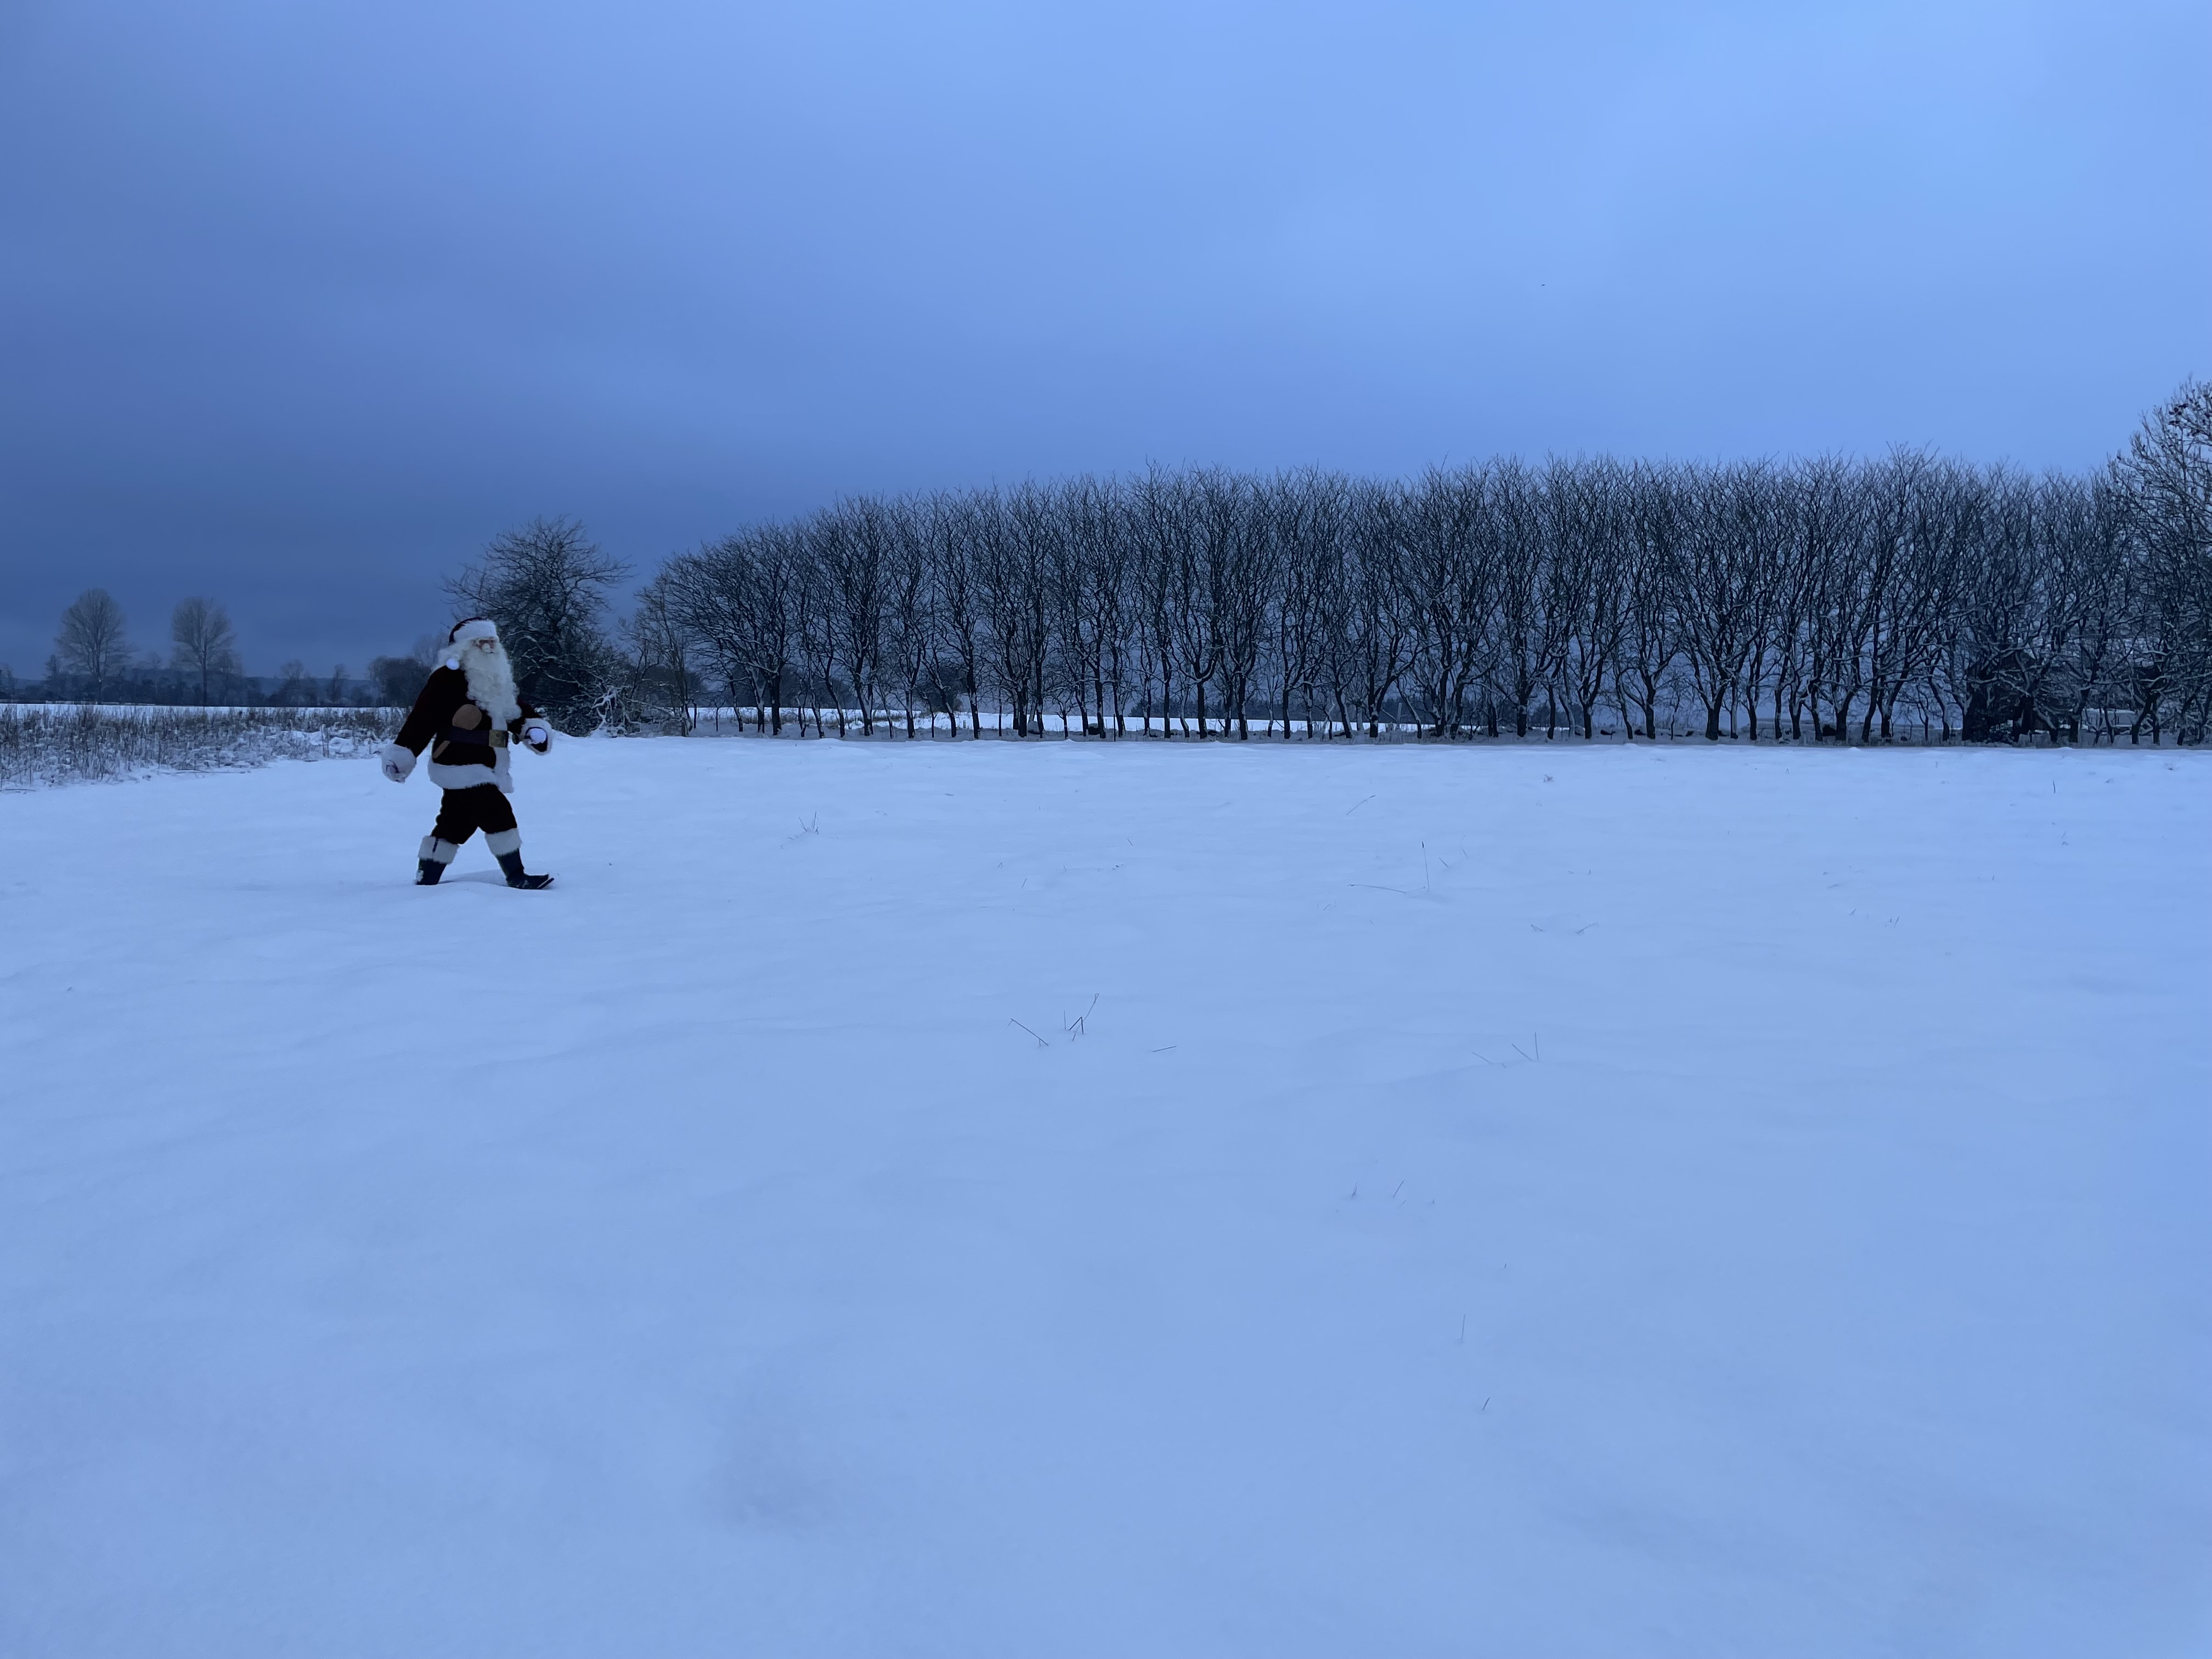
[464,811]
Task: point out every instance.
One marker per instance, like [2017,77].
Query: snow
[1498,1199]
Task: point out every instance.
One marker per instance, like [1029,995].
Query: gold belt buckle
[498,738]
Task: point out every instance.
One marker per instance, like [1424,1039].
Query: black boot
[516,877]
[431,860]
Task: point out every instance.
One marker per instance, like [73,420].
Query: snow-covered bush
[49,744]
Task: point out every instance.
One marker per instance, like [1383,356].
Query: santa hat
[466,631]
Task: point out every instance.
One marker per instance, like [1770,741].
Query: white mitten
[539,738]
[399,764]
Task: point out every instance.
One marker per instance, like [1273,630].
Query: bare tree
[2166,476]
[947,527]
[91,643]
[1194,517]
[778,618]
[1016,544]
[1524,642]
[910,636]
[1445,533]
[1719,589]
[1100,525]
[1859,567]
[1993,669]
[1944,511]
[1760,503]
[1155,520]
[546,586]
[737,600]
[1650,635]
[2085,537]
[206,648]
[814,636]
[1312,512]
[1379,633]
[1823,507]
[661,681]
[1583,506]
[703,599]
[852,550]
[1243,577]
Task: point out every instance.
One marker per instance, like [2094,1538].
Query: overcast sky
[300,303]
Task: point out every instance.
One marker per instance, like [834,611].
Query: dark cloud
[300,303]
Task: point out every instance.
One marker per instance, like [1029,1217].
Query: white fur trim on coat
[399,765]
[500,772]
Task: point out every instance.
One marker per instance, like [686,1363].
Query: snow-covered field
[1496,1201]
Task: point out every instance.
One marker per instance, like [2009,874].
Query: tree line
[1826,599]
[94,661]
[1822,600]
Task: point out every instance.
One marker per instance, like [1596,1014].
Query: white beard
[491,682]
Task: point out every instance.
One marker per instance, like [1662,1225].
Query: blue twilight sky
[300,302]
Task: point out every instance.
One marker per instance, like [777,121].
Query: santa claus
[469,718]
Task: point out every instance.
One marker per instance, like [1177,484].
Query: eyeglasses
[485,645]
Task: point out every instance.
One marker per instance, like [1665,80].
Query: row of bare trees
[95,661]
[1828,599]
[94,658]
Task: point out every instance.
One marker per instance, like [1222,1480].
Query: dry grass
[43,745]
